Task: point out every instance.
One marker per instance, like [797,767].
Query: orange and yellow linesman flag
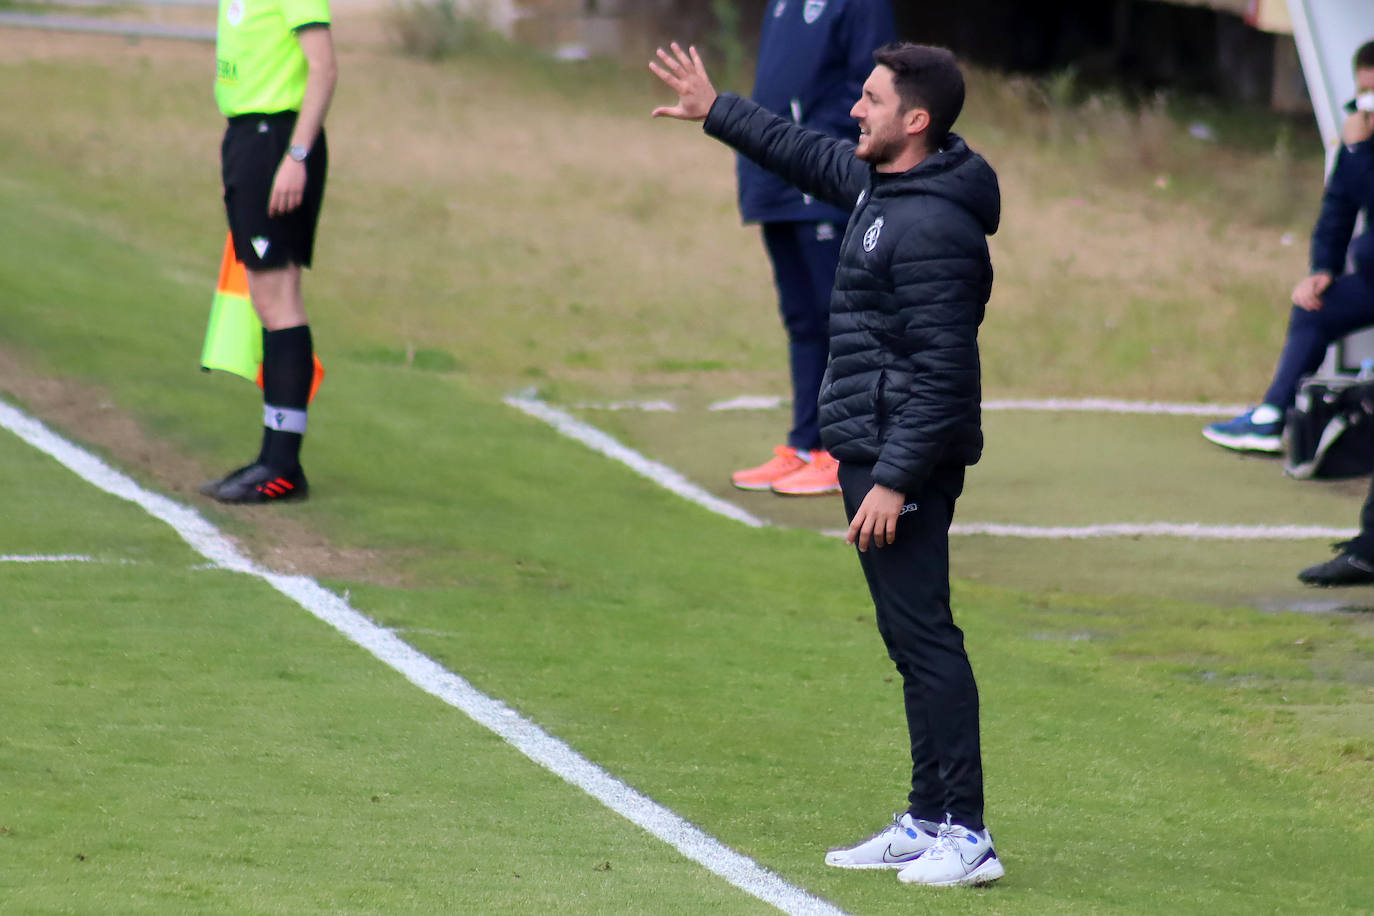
[233,339]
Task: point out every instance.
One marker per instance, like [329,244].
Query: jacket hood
[959,175]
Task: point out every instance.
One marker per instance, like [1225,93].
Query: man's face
[882,129]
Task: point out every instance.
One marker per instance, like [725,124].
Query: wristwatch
[297,152]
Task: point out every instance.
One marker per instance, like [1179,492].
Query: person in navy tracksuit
[814,56]
[1330,302]
[1351,293]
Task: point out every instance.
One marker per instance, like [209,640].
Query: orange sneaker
[785,461]
[820,475]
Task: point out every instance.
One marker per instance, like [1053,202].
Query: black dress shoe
[1346,569]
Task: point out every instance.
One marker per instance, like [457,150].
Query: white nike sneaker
[959,856]
[892,847]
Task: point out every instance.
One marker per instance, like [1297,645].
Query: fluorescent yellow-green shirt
[261,67]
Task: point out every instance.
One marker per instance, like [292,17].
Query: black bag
[1329,430]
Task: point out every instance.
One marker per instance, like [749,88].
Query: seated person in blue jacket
[1329,303]
[814,56]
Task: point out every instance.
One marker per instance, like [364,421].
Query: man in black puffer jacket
[899,406]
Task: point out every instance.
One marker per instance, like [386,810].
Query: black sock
[288,369]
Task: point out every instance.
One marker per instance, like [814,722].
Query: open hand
[685,74]
[1308,293]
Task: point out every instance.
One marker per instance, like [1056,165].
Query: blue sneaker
[1245,435]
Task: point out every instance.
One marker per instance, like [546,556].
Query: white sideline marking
[660,474]
[750,402]
[1057,405]
[1106,405]
[1092,405]
[1191,530]
[667,477]
[648,406]
[57,558]
[431,677]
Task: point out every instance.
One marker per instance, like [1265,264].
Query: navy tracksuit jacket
[814,56]
[1348,304]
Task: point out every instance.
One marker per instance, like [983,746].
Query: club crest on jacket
[812,11]
[871,236]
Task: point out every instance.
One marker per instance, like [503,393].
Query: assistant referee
[275,80]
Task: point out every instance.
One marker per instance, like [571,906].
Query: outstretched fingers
[673,82]
[685,60]
[675,62]
[684,73]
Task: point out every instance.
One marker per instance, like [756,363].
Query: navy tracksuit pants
[909,582]
[804,257]
[1347,305]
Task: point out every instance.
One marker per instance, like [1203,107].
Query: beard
[881,149]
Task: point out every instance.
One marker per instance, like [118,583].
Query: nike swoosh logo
[987,854]
[889,857]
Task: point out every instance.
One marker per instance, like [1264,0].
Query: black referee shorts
[253,148]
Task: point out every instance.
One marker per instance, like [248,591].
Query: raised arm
[821,166]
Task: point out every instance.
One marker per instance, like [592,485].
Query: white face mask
[1364,102]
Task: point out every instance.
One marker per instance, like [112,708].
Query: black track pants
[909,582]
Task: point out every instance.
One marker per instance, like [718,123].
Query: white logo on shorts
[260,245]
[812,11]
[870,237]
[234,14]
[825,232]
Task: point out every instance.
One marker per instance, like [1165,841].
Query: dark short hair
[1364,57]
[926,77]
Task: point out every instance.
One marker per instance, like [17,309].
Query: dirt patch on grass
[87,413]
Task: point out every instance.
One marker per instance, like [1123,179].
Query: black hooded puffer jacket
[902,391]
